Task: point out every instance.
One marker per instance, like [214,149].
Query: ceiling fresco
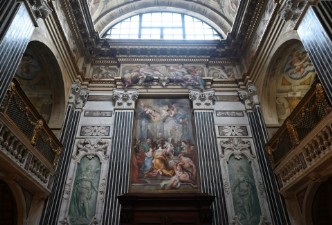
[219,14]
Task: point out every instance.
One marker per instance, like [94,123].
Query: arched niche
[321,207]
[41,79]
[290,75]
[13,206]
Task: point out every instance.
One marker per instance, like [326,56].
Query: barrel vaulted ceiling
[236,20]
[219,13]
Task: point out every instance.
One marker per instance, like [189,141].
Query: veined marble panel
[99,113]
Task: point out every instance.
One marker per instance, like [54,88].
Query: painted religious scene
[164,154]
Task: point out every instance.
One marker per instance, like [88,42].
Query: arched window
[162,25]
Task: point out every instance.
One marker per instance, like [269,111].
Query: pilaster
[207,150]
[119,163]
[77,100]
[249,98]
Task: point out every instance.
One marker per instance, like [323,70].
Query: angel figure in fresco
[298,65]
[185,172]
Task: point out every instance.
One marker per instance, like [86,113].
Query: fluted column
[119,168]
[260,136]
[208,156]
[315,33]
[18,21]
[76,102]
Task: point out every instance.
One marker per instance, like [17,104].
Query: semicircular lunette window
[162,25]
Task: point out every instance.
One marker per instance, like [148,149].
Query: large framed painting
[164,153]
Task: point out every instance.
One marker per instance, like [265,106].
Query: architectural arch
[40,77]
[209,15]
[289,76]
[17,196]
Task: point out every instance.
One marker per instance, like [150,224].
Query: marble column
[76,103]
[277,210]
[315,33]
[208,155]
[119,164]
[18,20]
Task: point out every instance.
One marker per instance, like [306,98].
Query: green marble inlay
[244,192]
[84,197]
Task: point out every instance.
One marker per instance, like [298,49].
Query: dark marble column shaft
[68,133]
[211,181]
[119,162]
[16,28]
[277,209]
[316,35]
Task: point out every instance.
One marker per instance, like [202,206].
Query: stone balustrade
[26,139]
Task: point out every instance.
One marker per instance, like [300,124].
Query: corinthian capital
[125,99]
[249,96]
[40,8]
[202,99]
[78,96]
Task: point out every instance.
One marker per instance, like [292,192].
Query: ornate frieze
[292,10]
[78,95]
[249,96]
[202,99]
[176,74]
[125,99]
[40,8]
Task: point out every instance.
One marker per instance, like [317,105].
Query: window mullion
[183,27]
[140,26]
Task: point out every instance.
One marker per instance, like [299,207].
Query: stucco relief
[222,72]
[85,186]
[104,72]
[174,74]
[267,14]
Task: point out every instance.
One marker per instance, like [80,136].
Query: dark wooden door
[166,209]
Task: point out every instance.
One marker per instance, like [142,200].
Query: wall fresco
[295,73]
[163,156]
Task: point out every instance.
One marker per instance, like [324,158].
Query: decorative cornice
[202,99]
[292,10]
[78,96]
[125,99]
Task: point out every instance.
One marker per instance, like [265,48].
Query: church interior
[165,112]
